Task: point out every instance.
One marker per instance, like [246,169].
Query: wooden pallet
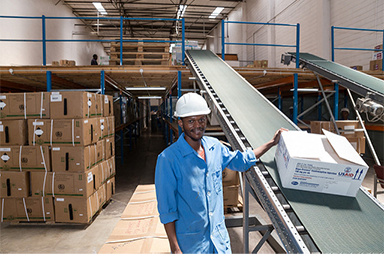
[140,53]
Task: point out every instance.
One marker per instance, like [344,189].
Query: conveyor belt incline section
[337,224]
[355,80]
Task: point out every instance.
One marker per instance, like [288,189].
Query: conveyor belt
[336,224]
[357,81]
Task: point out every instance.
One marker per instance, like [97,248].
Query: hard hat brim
[197,113]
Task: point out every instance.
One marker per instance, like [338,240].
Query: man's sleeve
[166,187]
[238,161]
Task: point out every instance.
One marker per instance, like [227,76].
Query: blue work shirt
[189,191]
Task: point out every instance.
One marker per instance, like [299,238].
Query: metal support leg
[246,189]
[327,103]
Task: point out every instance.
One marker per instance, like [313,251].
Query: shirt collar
[186,149]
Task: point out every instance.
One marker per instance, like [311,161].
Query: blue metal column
[295,96]
[44,41]
[170,119]
[102,81]
[279,98]
[179,94]
[183,38]
[336,102]
[296,76]
[297,45]
[121,132]
[49,81]
[222,40]
[333,43]
[121,40]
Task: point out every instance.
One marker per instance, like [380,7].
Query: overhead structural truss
[306,222]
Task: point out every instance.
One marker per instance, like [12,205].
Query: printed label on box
[5,149]
[56,97]
[2,105]
[90,177]
[55,149]
[60,199]
[38,123]
[1,128]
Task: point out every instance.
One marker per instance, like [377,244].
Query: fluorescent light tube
[145,88]
[306,90]
[100,8]
[216,12]
[181,11]
[148,97]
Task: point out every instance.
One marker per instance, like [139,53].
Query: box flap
[343,148]
[303,145]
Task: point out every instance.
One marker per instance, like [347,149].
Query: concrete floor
[138,168]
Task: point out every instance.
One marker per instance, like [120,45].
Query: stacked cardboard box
[139,230]
[231,184]
[356,138]
[57,154]
[377,59]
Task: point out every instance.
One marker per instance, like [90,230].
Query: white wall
[316,19]
[26,53]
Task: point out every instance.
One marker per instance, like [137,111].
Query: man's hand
[276,137]
[265,147]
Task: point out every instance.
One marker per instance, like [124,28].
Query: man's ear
[180,123]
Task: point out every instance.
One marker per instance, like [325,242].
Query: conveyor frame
[255,178]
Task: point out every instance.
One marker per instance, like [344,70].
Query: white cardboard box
[319,163]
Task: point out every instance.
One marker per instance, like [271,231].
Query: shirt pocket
[224,241]
[217,180]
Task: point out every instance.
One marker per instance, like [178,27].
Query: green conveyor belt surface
[361,78]
[337,224]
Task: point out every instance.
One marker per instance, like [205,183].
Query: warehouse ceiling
[198,23]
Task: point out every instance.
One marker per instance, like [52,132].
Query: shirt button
[211,213]
[207,174]
[209,193]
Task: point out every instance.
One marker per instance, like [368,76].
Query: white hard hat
[344,109]
[191,104]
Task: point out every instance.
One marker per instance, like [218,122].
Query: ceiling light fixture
[145,88]
[149,97]
[100,8]
[216,12]
[181,11]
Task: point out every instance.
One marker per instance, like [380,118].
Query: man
[344,112]
[94,60]
[188,182]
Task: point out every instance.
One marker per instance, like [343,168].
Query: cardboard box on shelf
[317,126]
[110,131]
[24,105]
[357,67]
[14,184]
[13,132]
[111,166]
[230,177]
[378,47]
[348,125]
[27,209]
[63,62]
[108,105]
[71,63]
[375,65]
[55,63]
[230,195]
[319,163]
[377,56]
[99,105]
[109,147]
[100,151]
[73,159]
[64,183]
[110,188]
[74,210]
[72,104]
[358,143]
[25,158]
[75,132]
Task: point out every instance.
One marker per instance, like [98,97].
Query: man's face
[194,126]
[344,114]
